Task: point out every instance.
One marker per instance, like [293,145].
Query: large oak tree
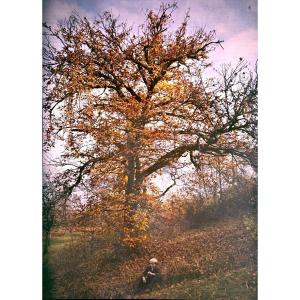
[130,102]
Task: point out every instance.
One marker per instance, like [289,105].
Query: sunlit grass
[58,242]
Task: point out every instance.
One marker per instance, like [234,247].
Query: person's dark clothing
[150,279]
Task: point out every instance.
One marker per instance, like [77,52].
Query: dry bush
[238,198]
[96,268]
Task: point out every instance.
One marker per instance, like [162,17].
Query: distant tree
[54,207]
[130,103]
[49,205]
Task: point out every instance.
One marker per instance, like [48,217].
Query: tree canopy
[130,102]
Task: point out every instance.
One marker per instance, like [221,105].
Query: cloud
[242,44]
[203,13]
[58,10]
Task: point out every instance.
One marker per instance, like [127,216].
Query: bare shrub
[237,198]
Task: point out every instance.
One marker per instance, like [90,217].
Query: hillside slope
[213,262]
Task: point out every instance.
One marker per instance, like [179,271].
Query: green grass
[58,242]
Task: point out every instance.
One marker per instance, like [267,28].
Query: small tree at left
[53,196]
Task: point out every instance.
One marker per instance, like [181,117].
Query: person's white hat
[153,260]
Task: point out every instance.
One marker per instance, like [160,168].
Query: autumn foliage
[129,103]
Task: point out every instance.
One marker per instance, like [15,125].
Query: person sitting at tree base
[151,275]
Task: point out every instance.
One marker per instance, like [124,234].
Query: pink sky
[235,21]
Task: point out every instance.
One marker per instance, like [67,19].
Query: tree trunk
[46,241]
[133,230]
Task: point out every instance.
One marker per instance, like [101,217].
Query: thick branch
[82,169]
[167,158]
